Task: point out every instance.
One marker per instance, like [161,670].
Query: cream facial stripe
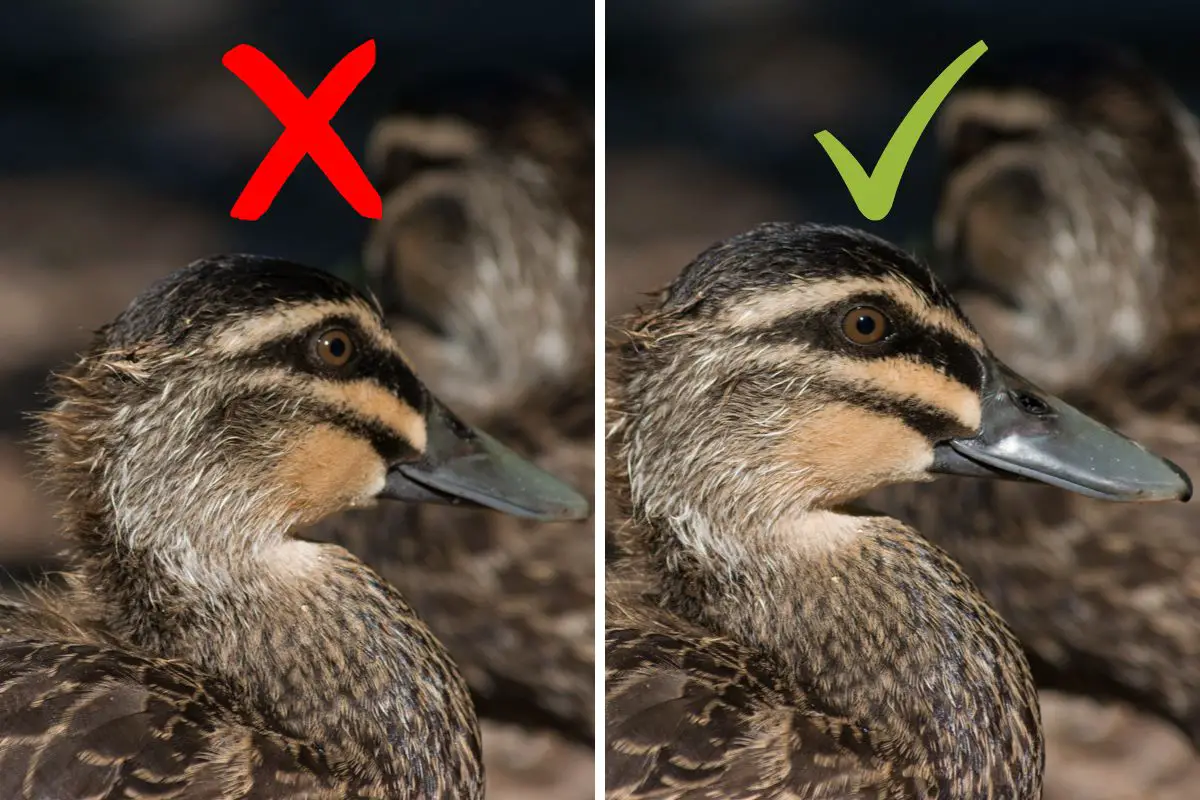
[363,398]
[898,376]
[762,310]
[252,333]
[903,377]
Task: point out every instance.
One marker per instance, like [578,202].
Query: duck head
[244,397]
[801,366]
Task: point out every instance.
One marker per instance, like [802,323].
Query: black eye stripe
[368,362]
[258,407]
[909,337]
[930,421]
[386,442]
[949,354]
[927,420]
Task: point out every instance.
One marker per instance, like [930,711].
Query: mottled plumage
[765,639]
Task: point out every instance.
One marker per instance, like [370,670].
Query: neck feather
[314,640]
[879,624]
[180,557]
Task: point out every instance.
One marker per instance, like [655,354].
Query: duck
[1067,229]
[202,647]
[483,264]
[1069,194]
[766,635]
[486,241]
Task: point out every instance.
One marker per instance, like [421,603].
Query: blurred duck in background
[485,250]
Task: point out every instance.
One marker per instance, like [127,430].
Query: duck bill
[465,466]
[1028,434]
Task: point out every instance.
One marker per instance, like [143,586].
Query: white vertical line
[598,515]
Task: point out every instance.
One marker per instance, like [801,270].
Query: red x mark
[306,129]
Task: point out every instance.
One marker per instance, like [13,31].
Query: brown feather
[200,649]
[763,640]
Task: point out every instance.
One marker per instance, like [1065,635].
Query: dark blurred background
[711,107]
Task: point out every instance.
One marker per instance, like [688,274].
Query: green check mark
[875,193]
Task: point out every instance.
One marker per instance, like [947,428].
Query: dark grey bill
[464,466]
[1029,434]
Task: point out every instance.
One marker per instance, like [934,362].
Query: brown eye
[334,347]
[865,325]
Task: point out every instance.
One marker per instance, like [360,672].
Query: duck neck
[316,642]
[185,551]
[880,625]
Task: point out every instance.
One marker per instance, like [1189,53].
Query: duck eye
[334,347]
[865,325]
